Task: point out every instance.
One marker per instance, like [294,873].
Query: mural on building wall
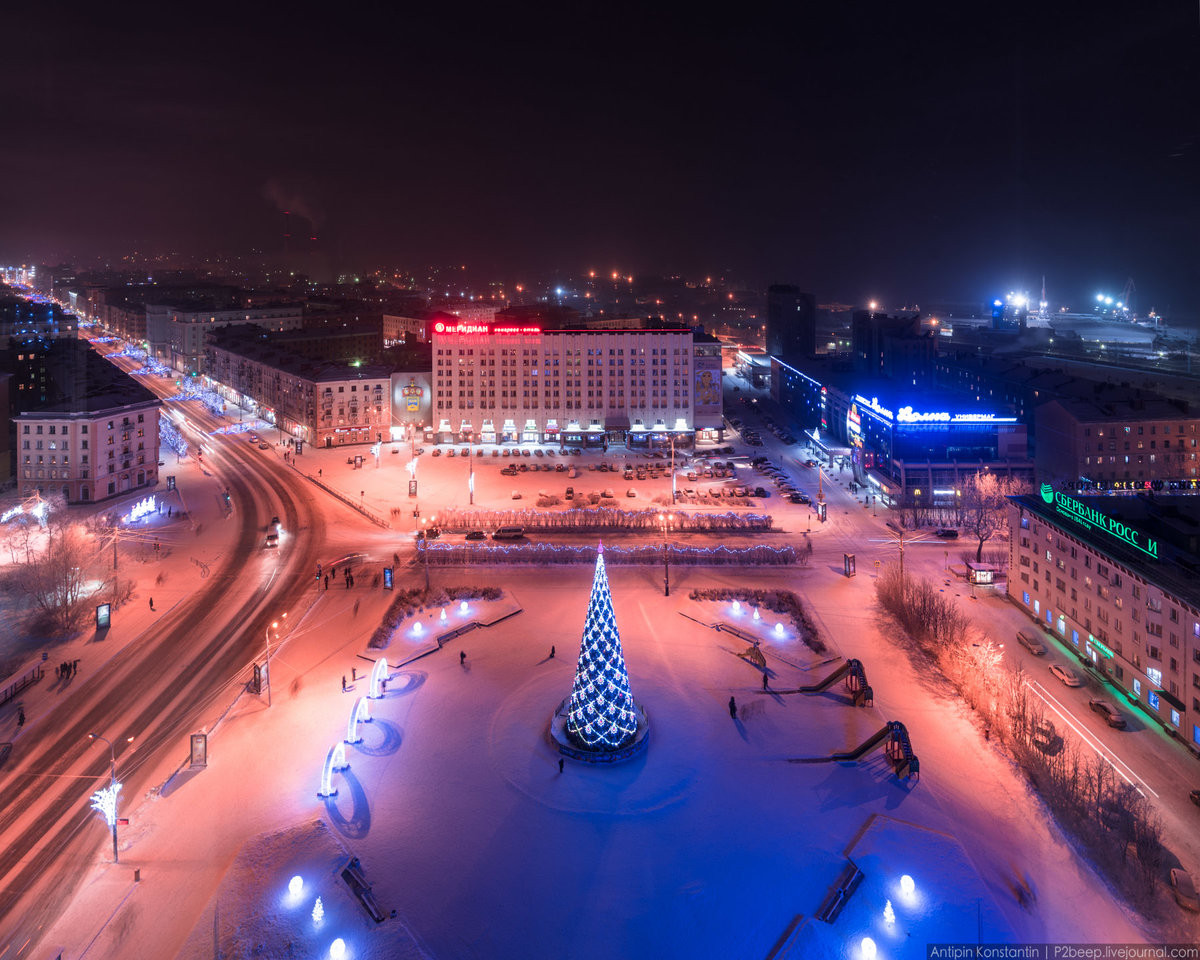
[411,396]
[707,391]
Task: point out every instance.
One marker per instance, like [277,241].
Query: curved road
[160,687]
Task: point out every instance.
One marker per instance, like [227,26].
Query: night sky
[861,151]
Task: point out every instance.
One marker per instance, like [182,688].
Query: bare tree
[55,578]
[984,499]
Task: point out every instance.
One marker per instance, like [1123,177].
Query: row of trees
[1120,830]
[450,554]
[592,519]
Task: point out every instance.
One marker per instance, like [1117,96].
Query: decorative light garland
[573,553]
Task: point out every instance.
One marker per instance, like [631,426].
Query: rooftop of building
[1172,523]
[1105,407]
[82,381]
[254,343]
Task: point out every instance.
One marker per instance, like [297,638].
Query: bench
[356,880]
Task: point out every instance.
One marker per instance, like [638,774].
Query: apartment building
[1116,579]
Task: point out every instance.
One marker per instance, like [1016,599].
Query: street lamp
[106,800]
[273,626]
[667,519]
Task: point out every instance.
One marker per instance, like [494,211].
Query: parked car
[1031,643]
[760,492]
[631,492]
[508,533]
[570,493]
[804,498]
[437,452]
[607,494]
[1068,676]
[516,494]
[947,533]
[476,535]
[1112,716]
[1183,889]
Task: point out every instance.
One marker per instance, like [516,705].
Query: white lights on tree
[756,615]
[318,912]
[106,802]
[889,915]
[601,715]
[443,616]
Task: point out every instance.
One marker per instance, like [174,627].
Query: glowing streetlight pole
[106,801]
[274,626]
[667,520]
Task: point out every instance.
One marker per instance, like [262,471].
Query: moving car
[570,493]
[264,446]
[1112,716]
[1068,676]
[947,533]
[272,539]
[476,535]
[508,533]
[1031,643]
[1183,889]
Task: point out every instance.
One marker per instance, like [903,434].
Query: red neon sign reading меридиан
[442,327]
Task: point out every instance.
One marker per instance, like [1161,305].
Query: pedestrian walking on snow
[20,717]
[151,603]
[732,708]
[343,683]
[462,657]
[551,651]
[74,667]
[326,581]
[764,681]
[560,764]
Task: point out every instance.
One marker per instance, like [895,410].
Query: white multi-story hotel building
[496,383]
[1115,579]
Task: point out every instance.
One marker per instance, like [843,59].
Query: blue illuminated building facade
[909,443]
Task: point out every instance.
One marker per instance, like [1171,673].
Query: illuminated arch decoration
[379,673]
[334,763]
[360,714]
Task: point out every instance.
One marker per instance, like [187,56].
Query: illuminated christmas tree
[601,714]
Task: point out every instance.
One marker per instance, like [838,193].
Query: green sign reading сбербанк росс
[1093,519]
